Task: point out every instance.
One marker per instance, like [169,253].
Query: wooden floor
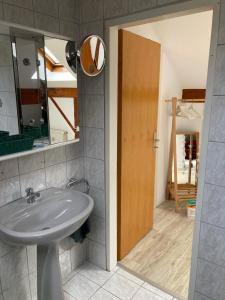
[163,257]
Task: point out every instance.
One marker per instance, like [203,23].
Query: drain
[45,228]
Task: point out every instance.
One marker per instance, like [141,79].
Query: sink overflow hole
[45,228]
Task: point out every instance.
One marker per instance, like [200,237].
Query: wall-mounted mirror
[187,155]
[9,123]
[38,92]
[92,55]
[62,93]
[31,86]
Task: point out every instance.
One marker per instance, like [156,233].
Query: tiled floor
[91,282]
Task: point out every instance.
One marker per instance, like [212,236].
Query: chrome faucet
[31,196]
[74,181]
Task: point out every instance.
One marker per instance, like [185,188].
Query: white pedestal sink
[55,215]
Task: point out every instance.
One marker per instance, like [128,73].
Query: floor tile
[121,287]
[70,276]
[157,291]
[94,273]
[80,287]
[103,295]
[130,276]
[68,296]
[144,294]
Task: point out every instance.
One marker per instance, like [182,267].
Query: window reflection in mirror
[8,102]
[62,93]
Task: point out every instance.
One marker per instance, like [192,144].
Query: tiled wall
[42,170]
[93,14]
[211,259]
[210,282]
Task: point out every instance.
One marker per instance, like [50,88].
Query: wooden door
[139,71]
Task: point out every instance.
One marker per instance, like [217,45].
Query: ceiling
[186,41]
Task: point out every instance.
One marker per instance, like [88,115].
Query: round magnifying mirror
[71,56]
[92,55]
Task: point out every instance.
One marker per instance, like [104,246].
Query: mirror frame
[71,55]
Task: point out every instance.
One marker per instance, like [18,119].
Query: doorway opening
[162,78]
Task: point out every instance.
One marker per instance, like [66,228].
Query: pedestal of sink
[49,281]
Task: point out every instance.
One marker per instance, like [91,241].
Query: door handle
[155,140]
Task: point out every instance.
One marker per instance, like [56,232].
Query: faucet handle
[29,191]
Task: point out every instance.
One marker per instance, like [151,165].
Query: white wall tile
[65,264]
[46,23]
[18,15]
[74,150]
[78,254]
[49,7]
[22,3]
[31,163]
[94,142]
[95,173]
[35,179]
[97,254]
[215,164]
[217,120]
[13,268]
[75,168]
[32,259]
[97,229]
[137,5]
[94,111]
[56,176]
[8,169]
[213,210]
[221,39]
[219,88]
[210,280]
[99,201]
[9,190]
[115,8]
[5,248]
[18,291]
[55,156]
[91,10]
[212,244]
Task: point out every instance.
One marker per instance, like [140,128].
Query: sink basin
[56,214]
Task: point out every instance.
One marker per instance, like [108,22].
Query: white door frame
[111,36]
